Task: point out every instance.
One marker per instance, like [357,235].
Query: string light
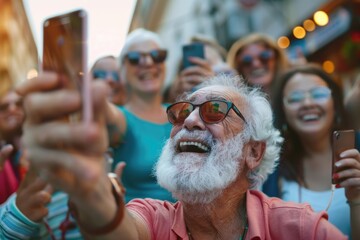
[321,18]
[299,32]
[328,66]
[283,42]
[309,25]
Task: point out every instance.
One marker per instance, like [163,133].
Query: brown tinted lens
[158,56]
[134,57]
[178,112]
[213,111]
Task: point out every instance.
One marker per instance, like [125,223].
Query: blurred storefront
[18,54]
[336,44]
[177,21]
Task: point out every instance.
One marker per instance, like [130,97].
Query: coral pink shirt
[268,218]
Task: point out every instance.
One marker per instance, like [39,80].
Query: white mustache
[202,136]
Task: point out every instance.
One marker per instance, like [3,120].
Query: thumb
[119,169]
[5,152]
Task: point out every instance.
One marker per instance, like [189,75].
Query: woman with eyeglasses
[308,107]
[258,59]
[142,122]
[107,69]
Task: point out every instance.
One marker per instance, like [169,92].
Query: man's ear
[254,153]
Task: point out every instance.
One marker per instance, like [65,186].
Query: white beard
[199,177]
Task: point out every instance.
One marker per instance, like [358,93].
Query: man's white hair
[259,127]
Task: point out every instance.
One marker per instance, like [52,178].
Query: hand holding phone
[65,52]
[342,140]
[192,50]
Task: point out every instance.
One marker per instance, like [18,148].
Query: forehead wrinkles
[208,92]
[222,93]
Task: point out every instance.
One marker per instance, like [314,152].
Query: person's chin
[193,161]
[311,129]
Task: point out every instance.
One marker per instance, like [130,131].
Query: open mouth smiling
[192,146]
[310,117]
[259,72]
[148,76]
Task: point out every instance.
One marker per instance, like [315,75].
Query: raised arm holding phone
[201,58]
[215,129]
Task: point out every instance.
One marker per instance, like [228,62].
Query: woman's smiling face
[308,104]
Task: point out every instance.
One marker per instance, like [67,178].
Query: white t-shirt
[339,210]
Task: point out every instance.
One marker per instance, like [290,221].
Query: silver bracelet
[353,203]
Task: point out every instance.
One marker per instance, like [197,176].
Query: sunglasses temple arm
[239,113]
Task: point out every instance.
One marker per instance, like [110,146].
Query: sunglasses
[5,106]
[211,112]
[317,94]
[264,58]
[157,55]
[102,74]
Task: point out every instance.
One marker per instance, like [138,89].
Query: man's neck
[224,218]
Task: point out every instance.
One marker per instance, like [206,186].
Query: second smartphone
[192,50]
[341,141]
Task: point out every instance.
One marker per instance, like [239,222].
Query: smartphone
[65,52]
[341,140]
[192,50]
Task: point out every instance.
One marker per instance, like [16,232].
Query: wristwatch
[118,191]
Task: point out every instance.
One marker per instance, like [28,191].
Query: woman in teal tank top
[141,147]
[142,121]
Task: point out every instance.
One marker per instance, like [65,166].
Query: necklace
[242,237]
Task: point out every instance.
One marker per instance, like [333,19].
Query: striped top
[15,225]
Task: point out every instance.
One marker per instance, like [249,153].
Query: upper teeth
[258,72]
[146,76]
[197,144]
[310,117]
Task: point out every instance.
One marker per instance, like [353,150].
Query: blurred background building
[328,32]
[18,53]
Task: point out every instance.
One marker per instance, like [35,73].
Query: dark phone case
[192,50]
[342,140]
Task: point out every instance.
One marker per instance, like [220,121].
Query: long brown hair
[290,165]
[281,59]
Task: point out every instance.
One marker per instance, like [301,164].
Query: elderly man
[222,145]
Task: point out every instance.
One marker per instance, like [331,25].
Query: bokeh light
[309,25]
[31,74]
[283,42]
[328,66]
[321,18]
[299,32]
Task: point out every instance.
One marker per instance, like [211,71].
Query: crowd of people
[238,147]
